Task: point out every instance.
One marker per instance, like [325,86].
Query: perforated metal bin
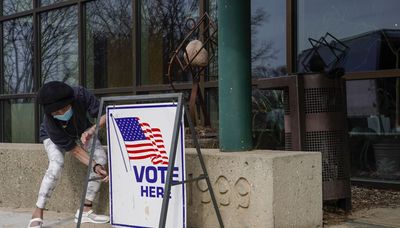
[323,127]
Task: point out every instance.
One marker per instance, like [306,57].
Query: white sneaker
[91,217]
[38,220]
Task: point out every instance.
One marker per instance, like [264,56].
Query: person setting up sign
[65,122]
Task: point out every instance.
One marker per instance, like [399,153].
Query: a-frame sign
[120,124]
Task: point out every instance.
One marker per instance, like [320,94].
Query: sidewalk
[372,218]
[18,218]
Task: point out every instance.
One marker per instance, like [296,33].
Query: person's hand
[87,135]
[99,169]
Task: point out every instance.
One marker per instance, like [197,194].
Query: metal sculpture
[193,56]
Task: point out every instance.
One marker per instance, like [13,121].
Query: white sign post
[139,140]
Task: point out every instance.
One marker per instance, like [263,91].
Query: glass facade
[163,28]
[18,120]
[15,6]
[374,127]
[268,119]
[268,59]
[268,44]
[370,30]
[18,56]
[106,51]
[49,2]
[59,45]
[109,44]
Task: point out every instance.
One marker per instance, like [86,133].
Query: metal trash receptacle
[322,111]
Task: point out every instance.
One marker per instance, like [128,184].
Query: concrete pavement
[371,218]
[386,217]
[18,218]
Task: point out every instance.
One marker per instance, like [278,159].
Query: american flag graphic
[142,141]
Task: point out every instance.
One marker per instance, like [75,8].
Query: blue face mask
[66,116]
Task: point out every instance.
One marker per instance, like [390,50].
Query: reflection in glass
[49,2]
[163,25]
[213,65]
[373,108]
[18,121]
[109,44]
[213,10]
[371,30]
[268,36]
[268,119]
[59,45]
[212,103]
[15,6]
[18,53]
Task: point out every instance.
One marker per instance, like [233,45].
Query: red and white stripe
[152,148]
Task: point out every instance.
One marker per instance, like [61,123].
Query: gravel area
[362,199]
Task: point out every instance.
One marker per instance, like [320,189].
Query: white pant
[56,164]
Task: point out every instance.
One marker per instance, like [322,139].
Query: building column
[234,75]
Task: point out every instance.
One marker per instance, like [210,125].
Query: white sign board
[139,140]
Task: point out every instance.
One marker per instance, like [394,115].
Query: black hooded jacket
[65,134]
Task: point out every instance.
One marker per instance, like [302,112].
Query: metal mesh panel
[332,146]
[286,106]
[288,141]
[319,100]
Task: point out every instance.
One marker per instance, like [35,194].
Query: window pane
[213,65]
[211,97]
[268,119]
[59,46]
[18,53]
[213,9]
[15,6]
[268,38]
[373,108]
[370,29]
[109,44]
[19,121]
[163,27]
[49,2]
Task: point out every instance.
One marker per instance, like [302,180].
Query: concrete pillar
[234,72]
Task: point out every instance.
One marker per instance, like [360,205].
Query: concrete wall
[22,167]
[253,189]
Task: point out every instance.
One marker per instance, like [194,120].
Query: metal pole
[171,162]
[89,168]
[234,72]
[203,167]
